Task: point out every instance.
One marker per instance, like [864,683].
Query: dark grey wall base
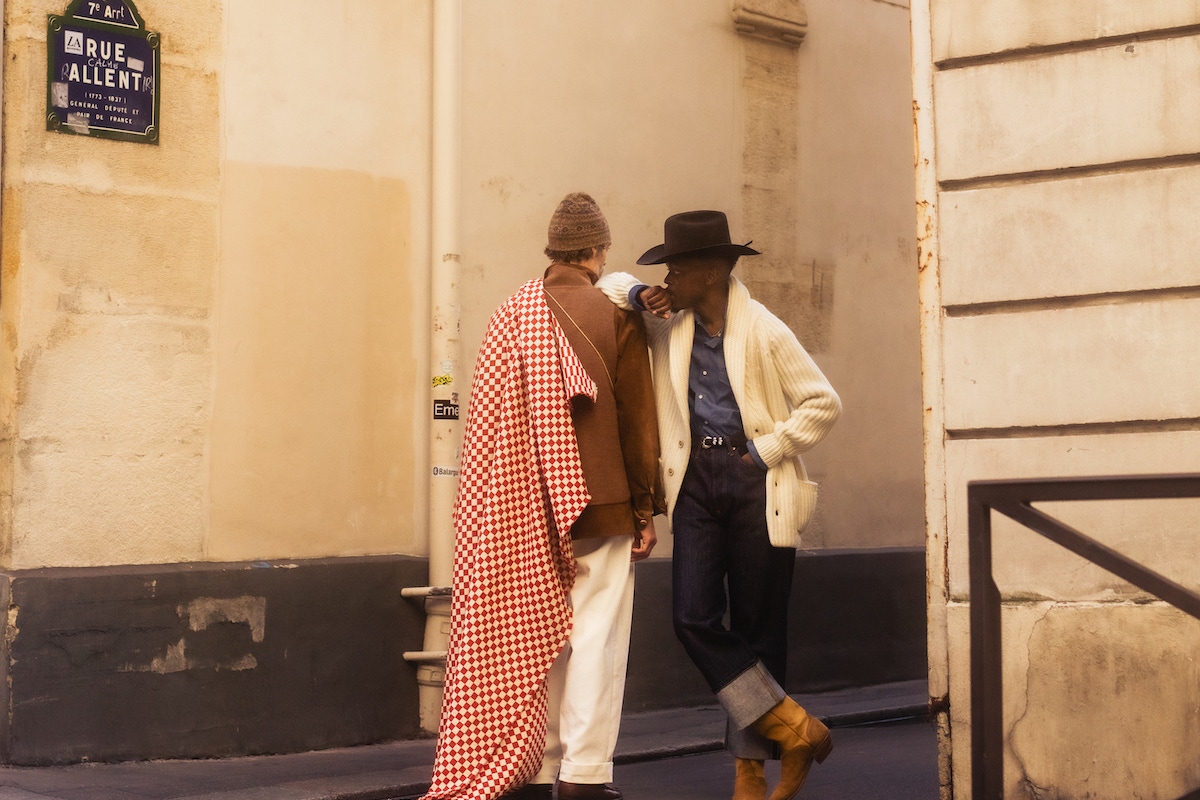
[212,660]
[180,661]
[857,618]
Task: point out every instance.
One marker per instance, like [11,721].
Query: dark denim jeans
[720,529]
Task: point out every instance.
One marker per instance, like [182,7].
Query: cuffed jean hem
[750,695]
[748,743]
[586,773]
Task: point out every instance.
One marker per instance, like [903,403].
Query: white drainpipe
[450,384]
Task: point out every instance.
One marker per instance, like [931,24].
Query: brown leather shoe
[588,791]
[530,791]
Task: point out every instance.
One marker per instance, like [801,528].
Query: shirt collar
[706,338]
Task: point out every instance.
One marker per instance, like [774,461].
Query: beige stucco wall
[599,104]
[595,97]
[318,429]
[855,223]
[1056,165]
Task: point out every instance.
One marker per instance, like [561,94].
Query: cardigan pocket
[806,504]
[791,502]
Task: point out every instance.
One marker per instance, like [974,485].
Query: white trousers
[587,683]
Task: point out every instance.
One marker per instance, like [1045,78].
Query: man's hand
[644,541]
[751,461]
[656,300]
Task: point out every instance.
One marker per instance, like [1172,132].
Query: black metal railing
[1013,499]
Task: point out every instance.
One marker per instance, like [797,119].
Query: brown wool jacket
[618,434]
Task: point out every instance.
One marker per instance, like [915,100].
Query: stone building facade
[1058,187]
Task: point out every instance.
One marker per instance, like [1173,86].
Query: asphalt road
[879,762]
[876,762]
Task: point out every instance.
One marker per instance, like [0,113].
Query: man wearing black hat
[738,401]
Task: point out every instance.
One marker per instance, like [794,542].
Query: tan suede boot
[749,783]
[801,737]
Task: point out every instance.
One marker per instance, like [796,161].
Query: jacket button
[670,471]
[681,442]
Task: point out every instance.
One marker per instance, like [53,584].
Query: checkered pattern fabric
[520,490]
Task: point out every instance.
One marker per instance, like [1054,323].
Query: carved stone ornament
[781,21]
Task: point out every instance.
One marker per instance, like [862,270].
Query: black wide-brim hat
[695,233]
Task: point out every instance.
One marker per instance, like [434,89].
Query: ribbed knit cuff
[769,448]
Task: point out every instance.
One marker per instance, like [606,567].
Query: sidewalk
[401,769]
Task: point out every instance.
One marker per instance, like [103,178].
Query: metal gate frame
[1013,498]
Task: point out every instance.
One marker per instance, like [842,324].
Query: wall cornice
[783,22]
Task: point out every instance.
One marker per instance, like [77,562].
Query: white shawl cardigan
[787,405]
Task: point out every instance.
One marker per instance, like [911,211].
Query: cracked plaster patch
[1111,706]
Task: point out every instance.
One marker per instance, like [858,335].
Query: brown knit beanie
[577,224]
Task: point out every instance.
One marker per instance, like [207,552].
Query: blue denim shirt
[714,409]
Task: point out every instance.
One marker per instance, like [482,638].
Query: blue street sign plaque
[102,72]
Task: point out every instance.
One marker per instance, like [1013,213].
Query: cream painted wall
[856,222]
[319,413]
[313,449]
[1056,167]
[598,97]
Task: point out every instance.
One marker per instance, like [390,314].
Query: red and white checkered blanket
[520,490]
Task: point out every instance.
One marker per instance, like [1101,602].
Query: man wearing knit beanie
[554,507]
[577,224]
[739,400]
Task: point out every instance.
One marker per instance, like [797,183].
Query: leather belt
[722,443]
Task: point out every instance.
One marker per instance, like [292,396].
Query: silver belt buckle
[709,442]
